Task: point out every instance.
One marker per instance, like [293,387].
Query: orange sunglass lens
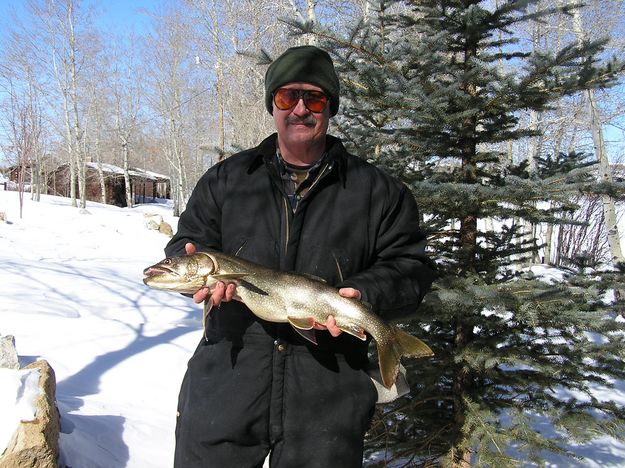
[288,98]
[285,99]
[315,101]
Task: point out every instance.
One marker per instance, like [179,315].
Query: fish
[285,297]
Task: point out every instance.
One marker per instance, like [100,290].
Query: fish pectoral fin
[354,331]
[253,288]
[304,326]
[302,323]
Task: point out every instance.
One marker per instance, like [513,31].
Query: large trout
[298,299]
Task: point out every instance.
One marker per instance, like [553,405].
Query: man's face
[299,125]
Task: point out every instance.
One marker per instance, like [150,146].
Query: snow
[72,293]
[112,169]
[18,391]
[109,168]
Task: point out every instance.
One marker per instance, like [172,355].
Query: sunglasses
[285,98]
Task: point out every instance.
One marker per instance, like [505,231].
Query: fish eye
[167,261]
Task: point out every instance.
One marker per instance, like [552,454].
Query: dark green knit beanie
[308,64]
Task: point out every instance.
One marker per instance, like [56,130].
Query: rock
[35,444]
[153,221]
[8,354]
[166,229]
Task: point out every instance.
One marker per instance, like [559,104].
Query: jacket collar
[265,154]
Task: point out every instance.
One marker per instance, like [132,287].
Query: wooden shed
[146,186]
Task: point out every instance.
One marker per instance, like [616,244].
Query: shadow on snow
[102,434]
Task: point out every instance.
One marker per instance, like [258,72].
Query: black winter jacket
[354,216]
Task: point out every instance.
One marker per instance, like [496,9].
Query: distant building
[145,186]
[13,174]
[10,178]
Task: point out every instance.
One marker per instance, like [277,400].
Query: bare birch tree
[95,120]
[227,34]
[20,74]
[307,15]
[211,17]
[126,98]
[566,128]
[60,20]
[605,172]
[23,130]
[169,51]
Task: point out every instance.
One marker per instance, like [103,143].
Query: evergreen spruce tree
[429,91]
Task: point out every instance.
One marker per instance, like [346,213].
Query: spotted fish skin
[300,300]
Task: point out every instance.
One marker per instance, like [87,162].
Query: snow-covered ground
[71,292]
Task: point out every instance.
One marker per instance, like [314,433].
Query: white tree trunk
[77,146]
[605,172]
[102,183]
[311,17]
[127,182]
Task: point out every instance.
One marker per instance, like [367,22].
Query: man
[297,202]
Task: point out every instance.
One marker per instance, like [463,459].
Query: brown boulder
[166,229]
[35,444]
[8,354]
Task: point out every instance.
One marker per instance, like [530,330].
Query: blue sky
[114,15]
[123,15]
[120,17]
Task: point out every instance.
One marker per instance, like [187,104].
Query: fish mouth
[153,271]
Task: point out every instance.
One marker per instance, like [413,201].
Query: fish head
[184,274]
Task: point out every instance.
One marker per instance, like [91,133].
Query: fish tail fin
[411,346]
[392,350]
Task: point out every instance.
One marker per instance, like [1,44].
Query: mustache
[309,120]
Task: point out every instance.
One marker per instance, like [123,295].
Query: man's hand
[222,292]
[330,324]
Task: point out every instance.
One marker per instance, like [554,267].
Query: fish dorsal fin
[304,326]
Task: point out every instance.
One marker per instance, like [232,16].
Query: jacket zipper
[285,203]
[319,177]
[287,223]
